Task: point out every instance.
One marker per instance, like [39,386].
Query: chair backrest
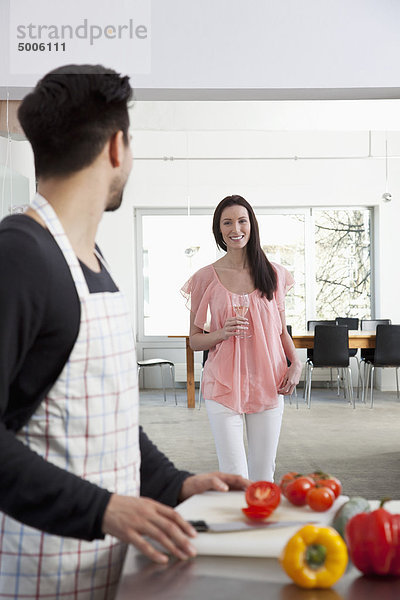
[371,324]
[331,346]
[311,324]
[387,347]
[350,322]
[310,327]
[289,330]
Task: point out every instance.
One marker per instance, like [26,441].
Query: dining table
[357,339]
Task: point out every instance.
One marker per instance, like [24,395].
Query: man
[72,461]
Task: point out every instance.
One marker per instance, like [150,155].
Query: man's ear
[116,149]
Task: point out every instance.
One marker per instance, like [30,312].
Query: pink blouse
[242,374]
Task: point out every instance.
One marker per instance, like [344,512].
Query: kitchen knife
[204,527]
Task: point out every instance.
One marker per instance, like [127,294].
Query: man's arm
[159,478]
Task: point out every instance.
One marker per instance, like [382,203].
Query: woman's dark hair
[70,115]
[263,273]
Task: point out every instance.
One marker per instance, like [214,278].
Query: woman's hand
[199,340]
[216,481]
[234,326]
[290,379]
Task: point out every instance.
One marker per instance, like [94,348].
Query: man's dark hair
[72,112]
[263,273]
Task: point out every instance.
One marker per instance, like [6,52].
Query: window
[343,263]
[327,251]
[282,239]
[173,247]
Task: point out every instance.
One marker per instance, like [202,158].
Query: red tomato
[296,490]
[257,513]
[317,475]
[286,479]
[333,483]
[264,494]
[320,498]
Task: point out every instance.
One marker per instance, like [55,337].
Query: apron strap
[103,261]
[47,213]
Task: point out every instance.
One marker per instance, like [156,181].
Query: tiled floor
[361,446]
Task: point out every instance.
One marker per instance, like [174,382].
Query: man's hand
[130,519]
[220,482]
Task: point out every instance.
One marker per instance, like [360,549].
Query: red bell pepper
[373,540]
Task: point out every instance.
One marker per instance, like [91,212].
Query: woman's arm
[293,373]
[204,341]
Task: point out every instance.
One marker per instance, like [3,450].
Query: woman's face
[235,226]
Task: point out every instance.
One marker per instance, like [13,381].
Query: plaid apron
[88,425]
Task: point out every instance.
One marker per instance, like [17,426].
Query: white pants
[262,430]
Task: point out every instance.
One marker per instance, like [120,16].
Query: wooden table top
[357,339]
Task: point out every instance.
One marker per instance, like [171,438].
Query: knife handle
[199,525]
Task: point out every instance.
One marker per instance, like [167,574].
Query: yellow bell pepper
[315,557]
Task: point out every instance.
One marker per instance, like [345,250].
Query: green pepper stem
[382,502]
[315,555]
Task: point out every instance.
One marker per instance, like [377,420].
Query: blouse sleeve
[284,282]
[195,291]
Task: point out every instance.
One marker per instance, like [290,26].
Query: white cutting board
[220,507]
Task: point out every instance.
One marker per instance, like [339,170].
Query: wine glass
[241,303]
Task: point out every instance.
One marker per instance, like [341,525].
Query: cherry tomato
[322,478]
[263,494]
[296,490]
[317,475]
[286,479]
[320,498]
[257,513]
[333,483]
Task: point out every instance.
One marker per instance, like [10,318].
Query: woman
[244,379]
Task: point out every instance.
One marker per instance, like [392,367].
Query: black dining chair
[310,352]
[386,355]
[352,323]
[205,356]
[312,324]
[331,349]
[311,327]
[289,330]
[368,353]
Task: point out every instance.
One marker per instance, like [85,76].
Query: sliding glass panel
[342,263]
[174,247]
[282,239]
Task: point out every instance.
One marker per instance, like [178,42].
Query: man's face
[117,185]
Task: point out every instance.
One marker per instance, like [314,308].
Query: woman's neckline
[225,288]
